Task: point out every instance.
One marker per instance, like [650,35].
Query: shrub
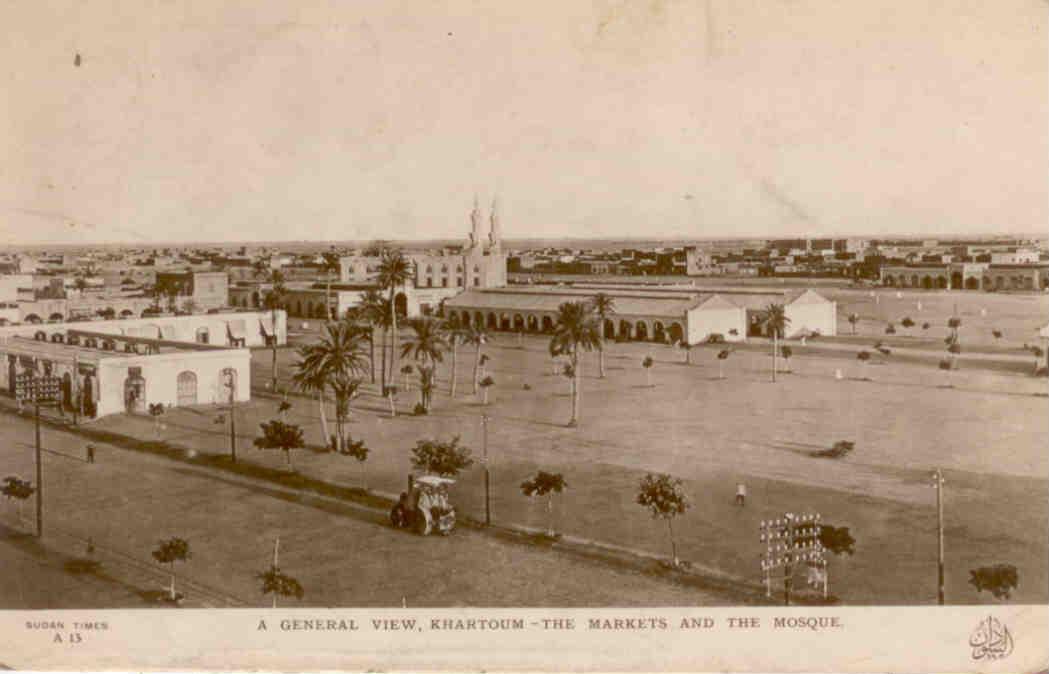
[419,409]
[838,450]
[1000,580]
[715,338]
[441,458]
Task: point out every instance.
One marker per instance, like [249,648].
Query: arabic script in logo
[991,640]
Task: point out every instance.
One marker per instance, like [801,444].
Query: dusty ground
[987,432]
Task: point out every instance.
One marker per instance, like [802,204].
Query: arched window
[187,388]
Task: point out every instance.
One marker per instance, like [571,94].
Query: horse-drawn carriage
[425,508]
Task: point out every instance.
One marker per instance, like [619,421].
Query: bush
[840,449]
[715,338]
[1000,579]
[419,409]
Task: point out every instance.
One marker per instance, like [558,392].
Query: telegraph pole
[484,460]
[39,472]
[232,419]
[938,482]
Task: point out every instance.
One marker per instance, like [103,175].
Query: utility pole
[232,419]
[39,472]
[75,392]
[484,460]
[45,389]
[938,482]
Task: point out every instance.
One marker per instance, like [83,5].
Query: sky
[335,120]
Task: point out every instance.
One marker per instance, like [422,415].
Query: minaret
[475,219]
[495,236]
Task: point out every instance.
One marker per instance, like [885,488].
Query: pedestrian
[90,453]
[741,494]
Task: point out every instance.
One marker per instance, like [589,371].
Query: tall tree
[373,309]
[456,333]
[171,551]
[394,271]
[426,346]
[604,305]
[774,319]
[546,484]
[335,360]
[329,265]
[274,302]
[665,499]
[278,435]
[476,336]
[575,329]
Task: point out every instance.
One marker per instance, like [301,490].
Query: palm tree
[575,328]
[344,389]
[334,361]
[775,320]
[722,357]
[455,333]
[313,381]
[426,346]
[647,363]
[394,271]
[477,337]
[604,306]
[374,310]
[274,301]
[329,265]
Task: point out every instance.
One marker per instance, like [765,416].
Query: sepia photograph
[636,325]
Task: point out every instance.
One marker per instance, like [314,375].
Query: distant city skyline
[227,123]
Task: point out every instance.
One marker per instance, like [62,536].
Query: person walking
[741,494]
[90,453]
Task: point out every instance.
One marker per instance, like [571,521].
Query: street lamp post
[484,460]
[937,484]
[38,390]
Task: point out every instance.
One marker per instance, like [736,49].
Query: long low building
[663,314]
[108,367]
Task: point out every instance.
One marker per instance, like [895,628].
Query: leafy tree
[786,352]
[663,496]
[18,489]
[443,458]
[853,320]
[279,584]
[407,372]
[890,329]
[836,451]
[394,271]
[168,552]
[283,408]
[486,383]
[864,357]
[925,326]
[575,329]
[604,305]
[837,540]
[907,322]
[997,334]
[1000,579]
[545,484]
[945,365]
[647,363]
[345,389]
[774,320]
[278,435]
[156,410]
[722,357]
[427,346]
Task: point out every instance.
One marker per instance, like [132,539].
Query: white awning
[266,323]
[236,329]
[168,332]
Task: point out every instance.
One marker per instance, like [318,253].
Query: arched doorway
[135,394]
[956,280]
[519,322]
[641,331]
[202,336]
[400,304]
[676,333]
[972,283]
[941,282]
[659,333]
[999,282]
[504,322]
[187,388]
[533,324]
[624,330]
[87,394]
[493,322]
[914,280]
[548,324]
[610,330]
[890,281]
[478,319]
[927,282]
